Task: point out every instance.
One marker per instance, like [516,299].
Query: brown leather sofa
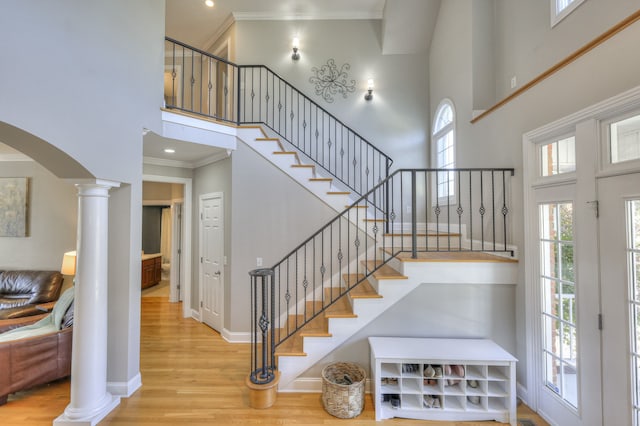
[39,353]
[22,291]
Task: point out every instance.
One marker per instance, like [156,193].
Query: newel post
[263,378]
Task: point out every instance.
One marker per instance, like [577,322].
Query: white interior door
[619,205]
[211,260]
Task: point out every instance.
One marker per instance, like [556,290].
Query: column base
[92,418]
[263,396]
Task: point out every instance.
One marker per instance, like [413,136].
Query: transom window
[444,149]
[558,157]
[624,140]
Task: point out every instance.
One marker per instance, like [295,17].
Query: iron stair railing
[200,83]
[412,211]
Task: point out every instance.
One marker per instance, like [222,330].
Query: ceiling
[191,22]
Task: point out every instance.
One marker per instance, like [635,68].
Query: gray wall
[89,91]
[272,214]
[526,46]
[52,220]
[396,121]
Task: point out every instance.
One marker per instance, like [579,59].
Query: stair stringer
[341,329]
[252,136]
[392,291]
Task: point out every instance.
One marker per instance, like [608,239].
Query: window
[444,149]
[558,157]
[624,140]
[558,285]
[560,9]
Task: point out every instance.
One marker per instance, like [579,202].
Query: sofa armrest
[10,324]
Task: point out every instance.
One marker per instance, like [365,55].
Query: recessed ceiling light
[209,3]
[169,150]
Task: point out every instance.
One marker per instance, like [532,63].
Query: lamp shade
[69,263]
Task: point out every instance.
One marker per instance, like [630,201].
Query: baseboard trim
[523,394]
[125,389]
[236,337]
[312,385]
[195,315]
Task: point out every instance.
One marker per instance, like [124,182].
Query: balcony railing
[201,83]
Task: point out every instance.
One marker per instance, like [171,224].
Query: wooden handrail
[628,21]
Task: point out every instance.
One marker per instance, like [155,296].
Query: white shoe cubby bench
[442,379]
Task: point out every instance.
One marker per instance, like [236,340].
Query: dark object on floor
[525,422]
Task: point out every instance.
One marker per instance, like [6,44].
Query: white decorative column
[90,401]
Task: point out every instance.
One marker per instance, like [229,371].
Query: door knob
[217,272]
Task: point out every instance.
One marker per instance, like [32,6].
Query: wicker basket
[343,389]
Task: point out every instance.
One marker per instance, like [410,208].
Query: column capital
[103,183]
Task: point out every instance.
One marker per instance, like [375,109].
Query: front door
[211,259]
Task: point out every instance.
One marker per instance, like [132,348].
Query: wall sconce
[296,43]
[369,95]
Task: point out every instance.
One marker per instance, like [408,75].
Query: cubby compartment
[454,403]
[436,379]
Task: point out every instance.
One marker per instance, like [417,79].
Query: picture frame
[14,204]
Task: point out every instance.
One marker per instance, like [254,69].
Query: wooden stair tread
[455,256]
[268,139]
[307,166]
[291,347]
[340,309]
[285,153]
[317,327]
[351,279]
[375,220]
[338,193]
[364,290]
[356,207]
[385,272]
[320,179]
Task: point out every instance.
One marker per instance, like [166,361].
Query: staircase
[298,166]
[392,232]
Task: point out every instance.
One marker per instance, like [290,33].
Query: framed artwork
[14,196]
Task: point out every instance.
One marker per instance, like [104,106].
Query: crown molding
[154,161]
[329,16]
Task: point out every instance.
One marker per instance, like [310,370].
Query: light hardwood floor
[191,376]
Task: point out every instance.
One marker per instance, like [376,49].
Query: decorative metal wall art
[330,80]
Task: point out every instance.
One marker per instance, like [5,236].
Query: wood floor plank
[192,376]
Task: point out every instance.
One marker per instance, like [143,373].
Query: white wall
[395,121]
[86,78]
[526,43]
[52,220]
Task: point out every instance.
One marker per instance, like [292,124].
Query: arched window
[444,144]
